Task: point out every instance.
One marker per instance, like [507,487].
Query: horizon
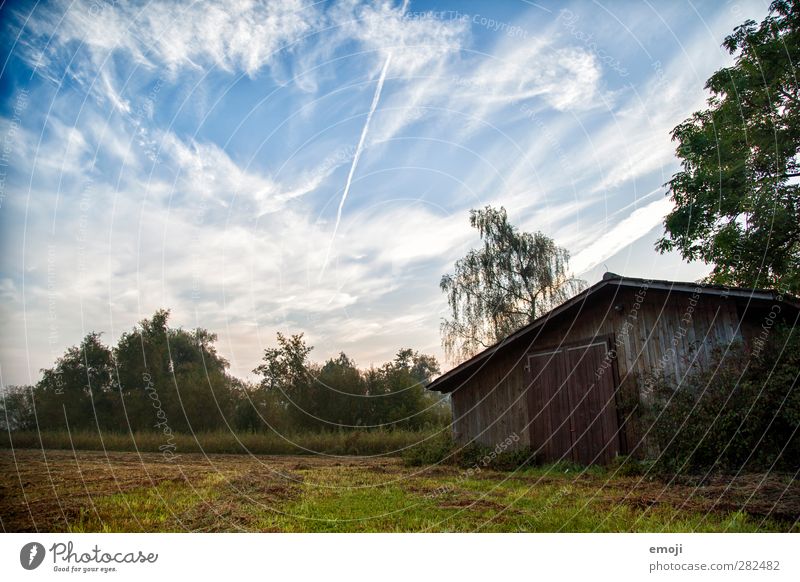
[309,168]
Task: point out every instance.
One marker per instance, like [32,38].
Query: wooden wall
[491,405]
[651,330]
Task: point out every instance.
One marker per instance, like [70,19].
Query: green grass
[145,509]
[499,504]
[488,505]
[126,492]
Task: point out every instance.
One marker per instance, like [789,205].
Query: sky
[308,167]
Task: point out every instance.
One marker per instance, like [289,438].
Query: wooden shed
[566,385]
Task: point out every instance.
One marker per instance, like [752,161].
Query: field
[359,442]
[83,491]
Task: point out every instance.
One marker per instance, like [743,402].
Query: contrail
[359,148]
[375,98]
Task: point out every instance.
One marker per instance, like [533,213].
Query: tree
[172,379]
[736,197]
[296,394]
[78,390]
[507,283]
[404,402]
[16,408]
[287,378]
[422,367]
[339,394]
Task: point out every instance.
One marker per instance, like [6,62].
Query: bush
[626,466]
[739,411]
[432,451]
[442,450]
[499,458]
[512,460]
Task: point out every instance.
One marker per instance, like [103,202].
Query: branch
[788,96]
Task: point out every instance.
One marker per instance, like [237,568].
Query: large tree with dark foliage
[512,279]
[736,197]
[78,391]
[172,377]
[172,380]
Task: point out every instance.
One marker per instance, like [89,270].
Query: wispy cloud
[199,156]
[627,231]
[234,36]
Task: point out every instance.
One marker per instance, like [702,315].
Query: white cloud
[402,235]
[234,35]
[637,140]
[416,41]
[422,47]
[207,171]
[565,78]
[635,226]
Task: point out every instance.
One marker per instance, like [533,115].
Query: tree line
[173,380]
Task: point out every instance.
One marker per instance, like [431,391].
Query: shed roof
[449,381]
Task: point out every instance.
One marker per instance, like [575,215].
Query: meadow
[350,442]
[66,490]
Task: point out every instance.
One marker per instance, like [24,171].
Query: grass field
[354,442]
[64,490]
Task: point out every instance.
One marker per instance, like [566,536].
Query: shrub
[740,410]
[512,460]
[626,466]
[432,451]
[499,458]
[442,450]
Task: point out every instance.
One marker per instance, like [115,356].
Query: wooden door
[571,400]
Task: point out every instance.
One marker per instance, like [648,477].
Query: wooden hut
[567,385]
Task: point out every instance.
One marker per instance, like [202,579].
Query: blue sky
[295,166]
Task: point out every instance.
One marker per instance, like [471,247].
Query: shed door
[573,414]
